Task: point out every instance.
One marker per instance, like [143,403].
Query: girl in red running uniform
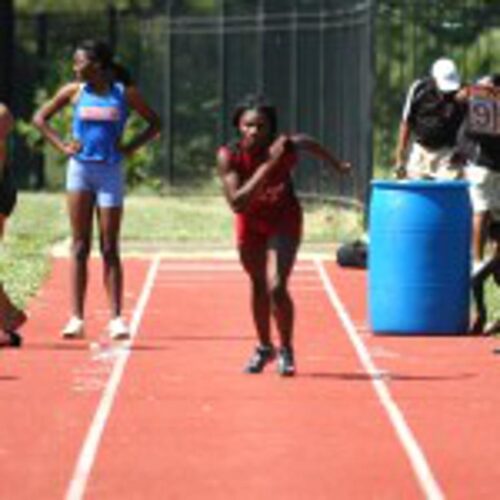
[255,172]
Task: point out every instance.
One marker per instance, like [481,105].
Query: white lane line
[421,468]
[226,266]
[210,278]
[193,285]
[90,446]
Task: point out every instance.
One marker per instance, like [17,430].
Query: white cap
[485,80]
[446,75]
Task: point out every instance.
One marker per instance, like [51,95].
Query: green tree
[410,35]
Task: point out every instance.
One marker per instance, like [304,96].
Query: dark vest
[434,117]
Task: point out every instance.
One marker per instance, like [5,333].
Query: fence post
[321,88]
[112,27]
[260,18]
[41,43]
[294,66]
[6,49]
[38,161]
[222,72]
[362,182]
[168,98]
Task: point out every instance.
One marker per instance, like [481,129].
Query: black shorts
[8,192]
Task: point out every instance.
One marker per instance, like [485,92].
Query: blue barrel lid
[405,184]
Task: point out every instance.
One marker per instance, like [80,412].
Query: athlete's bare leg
[253,259]
[109,234]
[81,209]
[282,253]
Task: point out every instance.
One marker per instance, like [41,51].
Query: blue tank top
[98,123]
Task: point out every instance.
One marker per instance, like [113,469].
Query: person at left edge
[101,95]
[11,318]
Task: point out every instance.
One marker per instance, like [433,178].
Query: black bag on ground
[354,254]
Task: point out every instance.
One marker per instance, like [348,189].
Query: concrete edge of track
[190,250]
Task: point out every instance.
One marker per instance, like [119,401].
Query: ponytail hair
[120,73]
[101,53]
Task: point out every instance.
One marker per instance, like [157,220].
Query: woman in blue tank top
[101,96]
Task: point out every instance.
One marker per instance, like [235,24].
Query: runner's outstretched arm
[310,145]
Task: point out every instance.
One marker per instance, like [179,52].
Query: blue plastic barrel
[419,258]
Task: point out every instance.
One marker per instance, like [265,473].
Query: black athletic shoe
[286,363]
[260,358]
[13,339]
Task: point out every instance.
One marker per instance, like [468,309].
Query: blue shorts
[103,179]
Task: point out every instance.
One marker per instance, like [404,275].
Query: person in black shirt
[479,148]
[431,118]
[11,318]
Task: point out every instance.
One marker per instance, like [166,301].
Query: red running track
[172,416]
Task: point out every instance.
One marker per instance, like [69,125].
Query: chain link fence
[336,69]
[312,58]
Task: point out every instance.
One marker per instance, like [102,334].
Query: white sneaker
[118,329]
[479,265]
[73,329]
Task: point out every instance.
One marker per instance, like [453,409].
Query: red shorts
[254,230]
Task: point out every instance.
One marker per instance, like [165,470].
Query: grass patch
[194,219]
[207,219]
[328,223]
[40,221]
[493,300]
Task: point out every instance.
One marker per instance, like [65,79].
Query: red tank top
[277,193]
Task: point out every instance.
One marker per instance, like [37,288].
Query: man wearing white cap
[431,118]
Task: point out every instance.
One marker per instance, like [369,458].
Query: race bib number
[484,111]
[100,113]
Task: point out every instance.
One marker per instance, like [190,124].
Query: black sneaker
[260,358]
[13,339]
[286,363]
